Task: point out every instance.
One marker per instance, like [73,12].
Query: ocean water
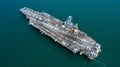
[23,46]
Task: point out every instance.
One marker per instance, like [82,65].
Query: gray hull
[65,33]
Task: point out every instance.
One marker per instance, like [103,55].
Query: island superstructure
[66,33]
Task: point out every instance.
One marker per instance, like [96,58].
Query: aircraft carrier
[66,33]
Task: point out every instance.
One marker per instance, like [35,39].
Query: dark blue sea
[23,46]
